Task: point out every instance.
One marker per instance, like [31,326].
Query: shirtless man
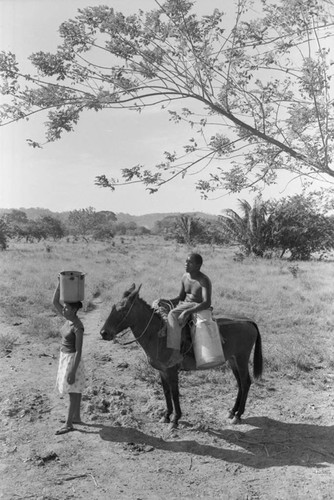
[194,296]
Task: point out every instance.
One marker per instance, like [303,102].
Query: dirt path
[283,450]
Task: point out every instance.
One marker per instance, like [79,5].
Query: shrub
[7,341]
[3,235]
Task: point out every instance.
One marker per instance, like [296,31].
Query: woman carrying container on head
[71,375]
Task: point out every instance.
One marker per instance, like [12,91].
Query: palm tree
[249,229]
[187,227]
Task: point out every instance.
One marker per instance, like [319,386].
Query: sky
[61,176]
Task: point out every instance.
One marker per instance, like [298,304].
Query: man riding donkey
[193,302]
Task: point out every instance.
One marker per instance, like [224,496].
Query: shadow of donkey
[270,443]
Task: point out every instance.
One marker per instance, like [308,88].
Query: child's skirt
[66,361]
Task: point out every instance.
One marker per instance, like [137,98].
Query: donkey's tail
[258,359]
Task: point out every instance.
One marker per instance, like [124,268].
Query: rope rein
[142,334]
[136,339]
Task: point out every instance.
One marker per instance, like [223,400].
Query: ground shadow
[289,443]
[269,443]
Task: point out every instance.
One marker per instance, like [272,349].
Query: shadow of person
[136,437]
[286,443]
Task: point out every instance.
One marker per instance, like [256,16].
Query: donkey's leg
[173,381]
[245,385]
[168,398]
[235,371]
[244,382]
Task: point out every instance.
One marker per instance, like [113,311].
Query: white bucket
[206,342]
[72,286]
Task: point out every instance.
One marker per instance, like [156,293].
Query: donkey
[238,337]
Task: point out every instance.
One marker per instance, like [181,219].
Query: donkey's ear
[137,291]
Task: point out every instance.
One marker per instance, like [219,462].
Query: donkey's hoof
[231,414]
[173,425]
[236,420]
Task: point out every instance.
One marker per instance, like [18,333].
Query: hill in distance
[146,220]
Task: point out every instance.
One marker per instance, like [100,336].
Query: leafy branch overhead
[254,85]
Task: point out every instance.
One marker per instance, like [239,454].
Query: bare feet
[64,430]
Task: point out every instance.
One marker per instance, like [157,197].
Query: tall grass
[294,310]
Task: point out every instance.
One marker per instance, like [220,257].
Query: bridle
[127,312]
[124,318]
[136,339]
[142,333]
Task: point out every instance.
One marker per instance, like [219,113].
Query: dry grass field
[283,449]
[293,303]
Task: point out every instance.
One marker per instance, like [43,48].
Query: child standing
[71,375]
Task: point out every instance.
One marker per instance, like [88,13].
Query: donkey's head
[119,318]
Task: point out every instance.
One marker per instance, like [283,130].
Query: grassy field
[291,303]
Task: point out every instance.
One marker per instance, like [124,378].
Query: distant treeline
[297,226]
[104,225]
